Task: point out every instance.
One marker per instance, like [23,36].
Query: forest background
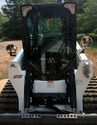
[10,18]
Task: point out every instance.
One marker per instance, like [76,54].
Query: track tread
[8,99]
[90,97]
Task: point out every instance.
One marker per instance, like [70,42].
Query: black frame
[41,7]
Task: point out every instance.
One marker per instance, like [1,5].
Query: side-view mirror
[86,42]
[11,49]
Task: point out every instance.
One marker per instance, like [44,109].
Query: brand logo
[12,65]
[17,76]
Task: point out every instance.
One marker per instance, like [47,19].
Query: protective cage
[49,36]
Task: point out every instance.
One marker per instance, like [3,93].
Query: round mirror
[11,49]
[86,41]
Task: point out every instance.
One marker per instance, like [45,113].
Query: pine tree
[12,28]
[2,21]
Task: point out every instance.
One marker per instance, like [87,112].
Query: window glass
[49,41]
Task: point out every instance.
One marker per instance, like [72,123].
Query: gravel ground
[5,57]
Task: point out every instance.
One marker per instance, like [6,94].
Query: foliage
[11,28]
[2,21]
[2,18]
[87,21]
[10,20]
[80,36]
[5,76]
[4,38]
[93,35]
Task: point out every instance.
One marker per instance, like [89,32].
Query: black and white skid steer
[49,76]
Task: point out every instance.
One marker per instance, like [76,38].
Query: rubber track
[8,99]
[90,97]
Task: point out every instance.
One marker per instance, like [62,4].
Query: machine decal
[50,81]
[12,65]
[17,76]
[50,84]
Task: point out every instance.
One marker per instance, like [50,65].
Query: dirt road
[5,57]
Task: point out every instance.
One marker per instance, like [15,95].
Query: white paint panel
[49,87]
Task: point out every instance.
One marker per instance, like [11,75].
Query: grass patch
[5,76]
[94,45]
[93,49]
[94,52]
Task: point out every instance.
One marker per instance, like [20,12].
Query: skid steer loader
[49,76]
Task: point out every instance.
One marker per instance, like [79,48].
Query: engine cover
[49,92]
[58,86]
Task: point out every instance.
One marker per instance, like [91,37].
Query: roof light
[25,10]
[71,7]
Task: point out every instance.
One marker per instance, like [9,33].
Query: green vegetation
[10,19]
[5,76]
[11,29]
[94,46]
[87,21]
[93,49]
[2,21]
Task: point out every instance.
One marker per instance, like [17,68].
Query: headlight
[86,69]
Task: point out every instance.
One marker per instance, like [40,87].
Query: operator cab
[49,32]
[49,43]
